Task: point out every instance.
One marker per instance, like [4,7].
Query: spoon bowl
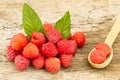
[104,64]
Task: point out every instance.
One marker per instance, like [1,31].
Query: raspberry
[47,27]
[11,53]
[39,61]
[30,51]
[66,60]
[21,62]
[97,56]
[79,37]
[53,35]
[38,38]
[19,41]
[66,47]
[104,47]
[52,64]
[49,49]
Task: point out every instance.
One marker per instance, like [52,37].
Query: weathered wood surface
[93,17]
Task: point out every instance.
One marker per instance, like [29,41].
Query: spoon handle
[113,32]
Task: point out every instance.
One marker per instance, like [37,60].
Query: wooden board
[93,17]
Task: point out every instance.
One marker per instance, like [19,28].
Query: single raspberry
[49,49]
[66,60]
[39,61]
[19,41]
[52,64]
[21,62]
[79,37]
[97,56]
[104,47]
[11,53]
[53,35]
[30,51]
[47,27]
[38,38]
[66,47]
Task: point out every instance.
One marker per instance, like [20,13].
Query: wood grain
[94,18]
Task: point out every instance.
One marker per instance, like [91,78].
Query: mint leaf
[31,21]
[63,25]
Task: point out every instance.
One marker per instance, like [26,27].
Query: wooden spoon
[109,40]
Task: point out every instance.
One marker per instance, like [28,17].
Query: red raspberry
[66,47]
[97,56]
[104,47]
[39,61]
[79,37]
[19,41]
[21,62]
[11,53]
[52,64]
[47,27]
[53,35]
[38,38]
[30,51]
[66,60]
[49,49]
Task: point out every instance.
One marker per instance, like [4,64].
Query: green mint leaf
[31,21]
[63,25]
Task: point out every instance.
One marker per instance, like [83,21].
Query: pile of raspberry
[49,50]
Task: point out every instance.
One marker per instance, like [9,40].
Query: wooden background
[93,17]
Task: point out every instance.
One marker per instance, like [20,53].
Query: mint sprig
[31,21]
[63,25]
